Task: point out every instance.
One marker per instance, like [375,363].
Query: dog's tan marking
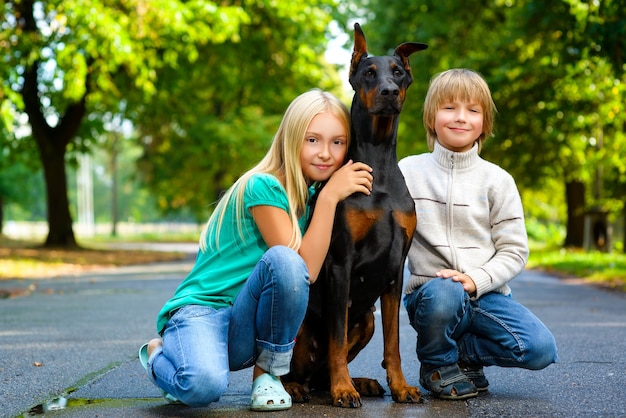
[368,98]
[360,222]
[408,221]
[382,127]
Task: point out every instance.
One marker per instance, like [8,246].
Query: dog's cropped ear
[404,50]
[360,49]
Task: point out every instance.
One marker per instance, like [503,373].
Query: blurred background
[131,116]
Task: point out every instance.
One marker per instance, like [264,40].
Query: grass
[603,269]
[27,260]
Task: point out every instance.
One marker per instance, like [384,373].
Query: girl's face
[458,124]
[325,147]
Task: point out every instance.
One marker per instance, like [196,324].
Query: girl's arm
[275,225]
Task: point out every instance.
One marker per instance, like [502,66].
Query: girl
[245,298]
[470,241]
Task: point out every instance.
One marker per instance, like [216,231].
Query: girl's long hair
[283,161]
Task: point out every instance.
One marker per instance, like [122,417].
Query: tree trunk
[52,144]
[114,204]
[60,232]
[51,141]
[575,197]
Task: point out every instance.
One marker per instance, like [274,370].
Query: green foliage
[203,83]
[190,169]
[211,122]
[557,74]
[21,187]
[548,234]
[70,59]
[18,183]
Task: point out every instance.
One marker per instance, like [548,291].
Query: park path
[71,344]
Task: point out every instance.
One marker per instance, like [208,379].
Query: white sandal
[268,394]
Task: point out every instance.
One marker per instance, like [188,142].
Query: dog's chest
[389,193]
[373,225]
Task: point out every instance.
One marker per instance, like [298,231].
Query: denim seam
[520,342]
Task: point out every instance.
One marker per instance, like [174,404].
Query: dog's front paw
[299,393]
[407,394]
[346,398]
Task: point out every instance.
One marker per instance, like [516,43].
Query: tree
[203,83]
[71,59]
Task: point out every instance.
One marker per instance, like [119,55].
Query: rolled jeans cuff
[149,371]
[274,359]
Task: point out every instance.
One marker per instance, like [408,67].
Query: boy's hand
[468,284]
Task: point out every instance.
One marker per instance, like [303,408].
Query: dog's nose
[389,90]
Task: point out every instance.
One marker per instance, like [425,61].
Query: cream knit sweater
[469,218]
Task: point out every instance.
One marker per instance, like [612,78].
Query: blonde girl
[245,298]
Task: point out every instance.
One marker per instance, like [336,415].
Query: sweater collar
[444,156]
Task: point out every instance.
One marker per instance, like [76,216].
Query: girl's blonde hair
[458,84]
[283,161]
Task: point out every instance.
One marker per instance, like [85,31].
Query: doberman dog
[370,240]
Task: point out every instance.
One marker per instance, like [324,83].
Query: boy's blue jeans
[493,330]
[202,344]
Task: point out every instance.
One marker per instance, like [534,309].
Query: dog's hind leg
[358,337]
[308,357]
[360,334]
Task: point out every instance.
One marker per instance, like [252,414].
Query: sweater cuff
[482,280]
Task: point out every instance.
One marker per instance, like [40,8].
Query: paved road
[68,349]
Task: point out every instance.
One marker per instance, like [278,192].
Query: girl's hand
[351,178]
[468,284]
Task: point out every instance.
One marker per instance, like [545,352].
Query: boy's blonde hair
[283,161]
[458,84]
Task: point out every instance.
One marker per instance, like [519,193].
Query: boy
[470,241]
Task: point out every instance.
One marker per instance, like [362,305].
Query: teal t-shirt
[219,273]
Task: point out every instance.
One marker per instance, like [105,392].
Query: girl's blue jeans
[202,344]
[493,330]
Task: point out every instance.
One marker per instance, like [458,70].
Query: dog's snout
[389,90]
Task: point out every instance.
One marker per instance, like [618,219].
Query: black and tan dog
[370,240]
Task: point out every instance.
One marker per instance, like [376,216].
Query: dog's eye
[370,73]
[398,72]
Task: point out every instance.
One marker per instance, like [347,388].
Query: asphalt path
[68,348]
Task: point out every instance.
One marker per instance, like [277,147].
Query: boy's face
[458,124]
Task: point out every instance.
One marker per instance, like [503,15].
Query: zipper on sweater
[450,204]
